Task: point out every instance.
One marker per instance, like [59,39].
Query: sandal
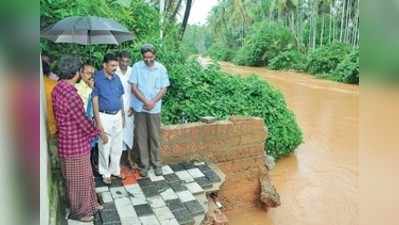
[119,177]
[99,207]
[107,180]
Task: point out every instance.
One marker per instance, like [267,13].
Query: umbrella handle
[90,55]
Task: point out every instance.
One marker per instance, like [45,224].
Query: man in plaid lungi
[75,132]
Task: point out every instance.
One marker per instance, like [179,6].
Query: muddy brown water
[318,183]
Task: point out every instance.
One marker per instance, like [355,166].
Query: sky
[199,11]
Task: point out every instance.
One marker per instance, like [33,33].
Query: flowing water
[318,183]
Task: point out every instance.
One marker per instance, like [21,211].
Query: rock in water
[269,162]
[268,196]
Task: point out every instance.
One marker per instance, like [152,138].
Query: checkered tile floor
[176,198]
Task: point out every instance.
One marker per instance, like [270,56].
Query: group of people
[116,108]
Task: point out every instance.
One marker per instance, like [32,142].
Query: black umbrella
[87,30]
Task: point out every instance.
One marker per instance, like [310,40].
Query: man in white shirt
[123,72]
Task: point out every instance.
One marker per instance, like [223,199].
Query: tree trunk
[299,22]
[314,33]
[355,34]
[342,20]
[358,36]
[292,23]
[278,16]
[173,15]
[185,18]
[314,25]
[242,34]
[310,29]
[358,23]
[347,19]
[300,15]
[322,32]
[330,27]
[310,32]
[356,26]
[271,11]
[335,23]
[243,22]
[224,22]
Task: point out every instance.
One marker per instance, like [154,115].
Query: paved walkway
[176,198]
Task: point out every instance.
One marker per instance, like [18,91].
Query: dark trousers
[147,128]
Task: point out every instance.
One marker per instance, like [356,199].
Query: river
[318,183]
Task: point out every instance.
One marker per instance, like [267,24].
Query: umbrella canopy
[87,30]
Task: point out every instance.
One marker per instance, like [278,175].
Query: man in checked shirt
[75,132]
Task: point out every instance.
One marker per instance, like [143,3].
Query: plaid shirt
[75,130]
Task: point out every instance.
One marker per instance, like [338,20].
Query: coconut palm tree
[185,18]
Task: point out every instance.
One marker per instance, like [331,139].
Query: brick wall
[235,145]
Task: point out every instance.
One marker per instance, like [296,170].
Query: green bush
[264,42]
[218,51]
[348,70]
[243,56]
[324,60]
[197,92]
[292,59]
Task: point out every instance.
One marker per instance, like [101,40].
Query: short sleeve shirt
[149,81]
[109,91]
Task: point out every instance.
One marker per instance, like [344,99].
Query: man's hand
[130,112]
[101,128]
[104,137]
[149,105]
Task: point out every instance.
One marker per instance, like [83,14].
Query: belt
[109,112]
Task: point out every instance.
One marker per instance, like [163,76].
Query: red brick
[253,139]
[237,146]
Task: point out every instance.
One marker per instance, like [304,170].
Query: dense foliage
[292,59]
[348,69]
[325,59]
[274,46]
[201,91]
[265,41]
[219,51]
[196,40]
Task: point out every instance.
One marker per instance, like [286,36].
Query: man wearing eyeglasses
[85,87]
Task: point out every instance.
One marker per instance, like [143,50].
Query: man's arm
[164,84]
[164,79]
[138,94]
[151,104]
[160,94]
[96,110]
[123,112]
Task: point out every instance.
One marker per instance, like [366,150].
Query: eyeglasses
[88,72]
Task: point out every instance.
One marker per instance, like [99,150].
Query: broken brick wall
[236,146]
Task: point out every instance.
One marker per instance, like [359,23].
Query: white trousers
[110,153]
[128,131]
